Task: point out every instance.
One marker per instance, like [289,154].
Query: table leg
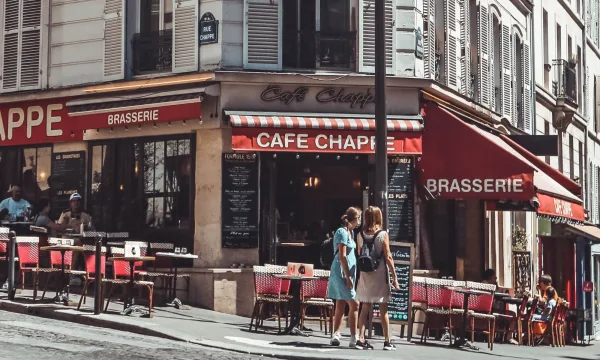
[463,342]
[293,328]
[129,297]
[61,295]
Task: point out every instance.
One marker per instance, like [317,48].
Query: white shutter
[465,52]
[185,36]
[595,20]
[517,121]
[597,103]
[526,88]
[506,60]
[262,34]
[586,91]
[595,195]
[429,38]
[366,36]
[452,31]
[483,39]
[114,40]
[22,43]
[588,18]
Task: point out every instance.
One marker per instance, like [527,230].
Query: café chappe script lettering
[333,95]
[31,117]
[321,141]
[563,207]
[475,185]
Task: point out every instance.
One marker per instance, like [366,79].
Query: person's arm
[342,245]
[3,208]
[55,226]
[389,260]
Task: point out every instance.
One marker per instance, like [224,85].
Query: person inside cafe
[374,286]
[74,218]
[42,218]
[343,277]
[541,321]
[14,206]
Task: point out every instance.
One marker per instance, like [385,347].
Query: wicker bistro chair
[479,316]
[552,331]
[121,275]
[419,295]
[166,263]
[560,323]
[89,255]
[29,261]
[314,294]
[438,305]
[280,269]
[56,263]
[528,319]
[267,290]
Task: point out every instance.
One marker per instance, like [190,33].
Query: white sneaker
[353,341]
[335,339]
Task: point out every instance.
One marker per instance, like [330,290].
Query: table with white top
[176,302]
[295,311]
[131,260]
[62,296]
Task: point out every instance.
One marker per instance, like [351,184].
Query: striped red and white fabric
[299,122]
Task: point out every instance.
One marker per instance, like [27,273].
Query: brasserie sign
[327,95]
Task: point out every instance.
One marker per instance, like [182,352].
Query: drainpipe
[534,223]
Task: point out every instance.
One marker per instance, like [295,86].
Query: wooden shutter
[21,61]
[185,36]
[483,40]
[465,51]
[506,60]
[366,36]
[526,87]
[114,40]
[451,13]
[262,34]
[429,38]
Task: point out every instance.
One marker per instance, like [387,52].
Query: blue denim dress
[337,289]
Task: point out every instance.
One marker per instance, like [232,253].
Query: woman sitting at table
[541,321]
[42,218]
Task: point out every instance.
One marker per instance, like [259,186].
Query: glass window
[29,167]
[151,187]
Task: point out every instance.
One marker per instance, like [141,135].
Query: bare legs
[340,307]
[367,309]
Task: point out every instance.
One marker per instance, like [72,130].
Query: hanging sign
[209,29]
[588,286]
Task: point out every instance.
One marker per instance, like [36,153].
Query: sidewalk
[231,333]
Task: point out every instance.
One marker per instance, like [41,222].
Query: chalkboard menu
[401,198]
[400,303]
[68,177]
[239,201]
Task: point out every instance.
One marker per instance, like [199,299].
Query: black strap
[374,236]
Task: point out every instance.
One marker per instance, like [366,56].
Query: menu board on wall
[401,198]
[399,306]
[68,177]
[239,201]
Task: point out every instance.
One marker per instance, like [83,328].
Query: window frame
[161,16]
[142,140]
[20,164]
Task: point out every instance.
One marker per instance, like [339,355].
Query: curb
[50,312]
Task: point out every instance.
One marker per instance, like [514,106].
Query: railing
[152,52]
[521,272]
[565,80]
[438,66]
[336,50]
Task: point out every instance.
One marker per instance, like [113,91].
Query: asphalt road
[28,337]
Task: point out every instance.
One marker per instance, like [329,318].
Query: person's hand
[395,284]
[349,283]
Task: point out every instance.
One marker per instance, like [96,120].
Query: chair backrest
[89,254]
[4,232]
[55,256]
[523,307]
[419,290]
[315,288]
[117,251]
[143,251]
[457,300]
[533,308]
[264,281]
[28,248]
[481,286]
[121,269]
[162,262]
[320,273]
[481,302]
[437,294]
[280,269]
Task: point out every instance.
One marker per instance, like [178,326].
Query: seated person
[43,218]
[15,205]
[541,321]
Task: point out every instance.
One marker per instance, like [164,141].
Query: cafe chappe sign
[327,95]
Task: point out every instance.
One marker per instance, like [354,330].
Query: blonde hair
[351,214]
[373,219]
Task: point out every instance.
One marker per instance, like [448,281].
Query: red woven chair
[552,331]
[56,263]
[4,232]
[165,263]
[89,255]
[479,316]
[529,317]
[29,261]
[267,289]
[314,294]
[121,278]
[280,269]
[439,300]
[419,295]
[560,323]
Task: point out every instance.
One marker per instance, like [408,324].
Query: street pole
[381,170]
[98,276]
[11,265]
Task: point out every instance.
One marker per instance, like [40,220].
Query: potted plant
[573,61]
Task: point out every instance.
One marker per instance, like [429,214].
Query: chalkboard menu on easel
[68,177]
[401,224]
[239,201]
[399,307]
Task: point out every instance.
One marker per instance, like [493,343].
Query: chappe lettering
[321,141]
[31,117]
[475,185]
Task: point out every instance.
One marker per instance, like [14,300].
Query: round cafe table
[175,301]
[131,260]
[62,296]
[462,342]
[295,288]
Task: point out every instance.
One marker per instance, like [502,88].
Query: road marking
[271,345]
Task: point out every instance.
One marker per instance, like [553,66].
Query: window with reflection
[29,167]
[139,184]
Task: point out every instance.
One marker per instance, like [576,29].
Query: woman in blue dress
[342,279]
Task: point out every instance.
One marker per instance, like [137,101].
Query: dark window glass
[30,167]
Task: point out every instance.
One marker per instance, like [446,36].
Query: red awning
[338,133]
[463,161]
